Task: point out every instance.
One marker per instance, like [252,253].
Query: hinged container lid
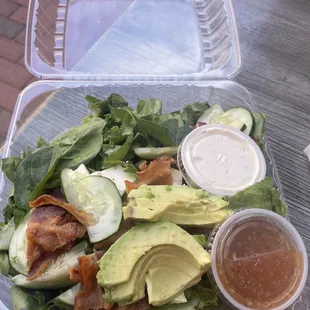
[132,40]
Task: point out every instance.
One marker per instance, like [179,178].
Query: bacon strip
[157,173]
[91,295]
[51,231]
[80,215]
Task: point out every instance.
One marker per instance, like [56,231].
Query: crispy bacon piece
[80,215]
[51,231]
[91,295]
[74,275]
[157,173]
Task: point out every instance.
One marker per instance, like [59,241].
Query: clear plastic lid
[132,40]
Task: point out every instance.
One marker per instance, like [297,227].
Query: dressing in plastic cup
[259,261]
[221,160]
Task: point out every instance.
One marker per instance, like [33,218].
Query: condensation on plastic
[132,40]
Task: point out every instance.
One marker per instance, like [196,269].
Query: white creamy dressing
[222,160]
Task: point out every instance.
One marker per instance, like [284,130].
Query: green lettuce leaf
[9,165]
[149,107]
[262,195]
[258,130]
[201,239]
[32,174]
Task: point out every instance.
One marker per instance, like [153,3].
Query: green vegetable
[177,134]
[79,145]
[24,299]
[41,143]
[193,111]
[9,165]
[6,233]
[9,210]
[32,174]
[201,239]
[261,195]
[102,107]
[4,263]
[118,153]
[258,131]
[157,131]
[149,107]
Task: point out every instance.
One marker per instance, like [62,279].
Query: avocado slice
[180,204]
[126,265]
[134,289]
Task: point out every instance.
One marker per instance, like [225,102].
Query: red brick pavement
[13,74]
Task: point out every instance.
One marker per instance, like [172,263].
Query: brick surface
[5,118]
[8,97]
[21,2]
[7,7]
[21,37]
[20,16]
[10,50]
[13,74]
[10,28]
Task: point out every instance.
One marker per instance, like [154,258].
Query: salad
[101,217]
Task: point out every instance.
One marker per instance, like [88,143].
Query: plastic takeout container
[231,227]
[180,51]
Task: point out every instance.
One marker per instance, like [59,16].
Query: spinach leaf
[9,209]
[193,111]
[262,195]
[25,153]
[79,145]
[149,107]
[4,263]
[102,107]
[118,153]
[155,130]
[41,143]
[9,165]
[176,133]
[32,174]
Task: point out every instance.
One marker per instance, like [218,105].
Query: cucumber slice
[237,114]
[211,115]
[67,298]
[6,234]
[97,196]
[17,248]
[117,175]
[150,153]
[57,274]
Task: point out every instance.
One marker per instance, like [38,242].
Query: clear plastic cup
[221,239]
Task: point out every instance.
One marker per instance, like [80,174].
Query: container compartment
[125,39]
